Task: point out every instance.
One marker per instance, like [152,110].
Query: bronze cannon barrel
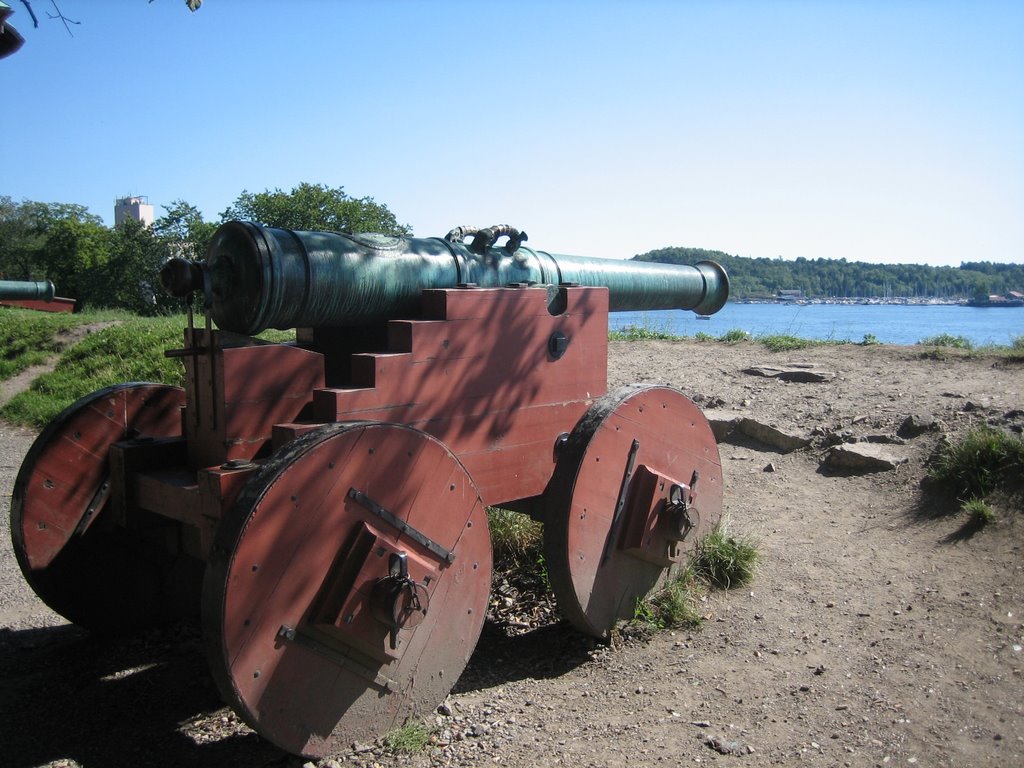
[257,277]
[30,290]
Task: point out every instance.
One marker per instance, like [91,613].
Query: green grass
[979,463]
[725,560]
[674,606]
[947,340]
[785,342]
[517,542]
[641,333]
[979,513]
[722,561]
[409,738]
[27,338]
[734,335]
[132,350]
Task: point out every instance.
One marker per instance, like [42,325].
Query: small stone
[769,467]
[444,708]
[915,424]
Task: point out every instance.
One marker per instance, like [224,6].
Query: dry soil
[876,632]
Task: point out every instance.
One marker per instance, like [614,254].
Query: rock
[797,372]
[444,708]
[723,422]
[863,457]
[885,439]
[769,467]
[725,747]
[915,424]
[772,436]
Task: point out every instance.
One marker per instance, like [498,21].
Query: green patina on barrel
[259,277]
[17,290]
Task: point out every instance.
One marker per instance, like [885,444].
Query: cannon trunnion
[322,505]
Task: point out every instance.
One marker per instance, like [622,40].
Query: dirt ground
[876,632]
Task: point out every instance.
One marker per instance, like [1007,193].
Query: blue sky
[876,131]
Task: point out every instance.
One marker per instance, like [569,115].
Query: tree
[24,228]
[315,207]
[183,230]
[129,276]
[73,255]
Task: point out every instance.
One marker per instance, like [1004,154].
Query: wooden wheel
[347,586]
[637,485]
[91,571]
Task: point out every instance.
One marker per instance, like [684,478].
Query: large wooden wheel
[92,571]
[347,586]
[637,484]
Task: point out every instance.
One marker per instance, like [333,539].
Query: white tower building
[137,208]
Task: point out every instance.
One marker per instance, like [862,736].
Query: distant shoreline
[892,300]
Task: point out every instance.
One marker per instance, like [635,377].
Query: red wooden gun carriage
[322,505]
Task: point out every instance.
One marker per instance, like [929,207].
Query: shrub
[978,463]
[724,560]
[734,335]
[947,340]
[641,333]
[672,606]
[782,342]
[981,514]
[409,738]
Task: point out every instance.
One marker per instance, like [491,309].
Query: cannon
[28,290]
[321,506]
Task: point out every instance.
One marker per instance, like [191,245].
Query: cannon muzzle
[32,290]
[256,277]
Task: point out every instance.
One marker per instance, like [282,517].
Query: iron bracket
[392,519]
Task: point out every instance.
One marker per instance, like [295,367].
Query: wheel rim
[93,573]
[296,588]
[599,562]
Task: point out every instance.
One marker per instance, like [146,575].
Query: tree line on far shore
[751,278]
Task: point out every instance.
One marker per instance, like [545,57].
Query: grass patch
[674,606]
[781,342]
[724,560]
[27,337]
[641,333]
[947,340]
[734,335]
[982,461]
[517,543]
[130,351]
[979,513]
[408,739]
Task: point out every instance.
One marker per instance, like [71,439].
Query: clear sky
[875,131]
